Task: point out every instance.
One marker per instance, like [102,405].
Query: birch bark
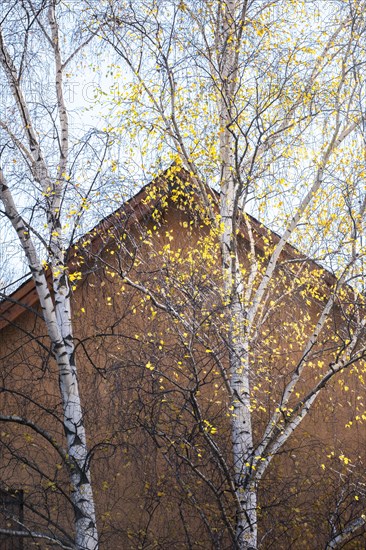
[231,190]
[57,309]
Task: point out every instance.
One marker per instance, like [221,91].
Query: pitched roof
[135,210]
[25,297]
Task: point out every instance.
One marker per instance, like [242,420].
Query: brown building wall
[141,375]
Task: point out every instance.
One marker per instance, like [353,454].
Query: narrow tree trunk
[58,321]
[242,436]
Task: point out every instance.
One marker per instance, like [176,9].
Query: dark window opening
[11,519]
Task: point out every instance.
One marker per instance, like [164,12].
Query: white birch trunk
[59,331]
[242,436]
[57,312]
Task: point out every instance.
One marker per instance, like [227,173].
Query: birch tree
[258,109]
[44,163]
[263,100]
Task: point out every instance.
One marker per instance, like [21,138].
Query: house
[150,335]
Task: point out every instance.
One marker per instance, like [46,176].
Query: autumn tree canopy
[234,283]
